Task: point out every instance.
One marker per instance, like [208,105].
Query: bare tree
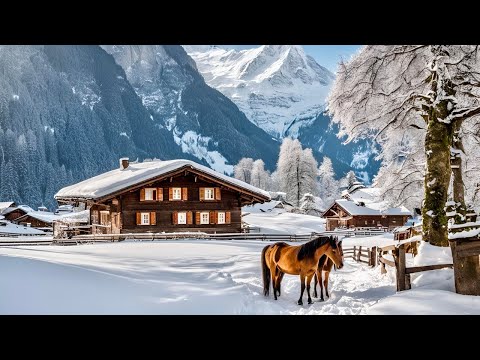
[243,170]
[385,92]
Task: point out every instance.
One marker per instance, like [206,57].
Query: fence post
[373,260]
[359,253]
[399,256]
[354,253]
[383,270]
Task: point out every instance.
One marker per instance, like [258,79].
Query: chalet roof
[354,209]
[49,217]
[6,204]
[24,208]
[136,173]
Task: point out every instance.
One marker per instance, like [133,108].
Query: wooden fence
[402,271]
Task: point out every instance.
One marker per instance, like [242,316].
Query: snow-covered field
[199,277]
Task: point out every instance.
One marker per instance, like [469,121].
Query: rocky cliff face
[202,121]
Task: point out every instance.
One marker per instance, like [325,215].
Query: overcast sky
[326,55]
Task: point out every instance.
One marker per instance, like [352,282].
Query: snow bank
[285,223]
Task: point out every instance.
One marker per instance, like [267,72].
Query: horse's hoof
[321,299]
[310,302]
[300,302]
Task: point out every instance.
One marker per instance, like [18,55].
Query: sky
[325,55]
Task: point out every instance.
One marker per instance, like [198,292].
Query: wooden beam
[415,269]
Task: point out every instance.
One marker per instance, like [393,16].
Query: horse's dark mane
[308,249]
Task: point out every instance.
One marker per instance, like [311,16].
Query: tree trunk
[457,174]
[437,178]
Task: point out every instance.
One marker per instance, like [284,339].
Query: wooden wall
[390,222]
[130,204]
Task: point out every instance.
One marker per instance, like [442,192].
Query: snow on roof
[25,208]
[119,179]
[9,228]
[5,204]
[353,209]
[49,217]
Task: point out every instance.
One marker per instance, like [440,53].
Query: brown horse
[280,258]
[325,265]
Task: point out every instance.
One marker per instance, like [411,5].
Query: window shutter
[139,218]
[153,218]
[202,194]
[159,194]
[142,195]
[189,217]
[218,195]
[228,218]
[184,193]
[197,217]
[170,194]
[212,217]
[175,217]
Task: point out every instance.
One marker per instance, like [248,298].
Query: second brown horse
[281,258]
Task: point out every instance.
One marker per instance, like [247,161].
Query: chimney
[124,163]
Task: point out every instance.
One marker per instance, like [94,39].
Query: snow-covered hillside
[279,87]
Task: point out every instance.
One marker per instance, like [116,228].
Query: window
[150,194]
[366,222]
[221,217]
[209,194]
[104,217]
[204,218]
[176,193]
[145,218]
[182,217]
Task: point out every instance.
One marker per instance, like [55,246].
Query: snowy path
[167,277]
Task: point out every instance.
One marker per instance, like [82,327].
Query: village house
[13,212]
[345,213]
[162,196]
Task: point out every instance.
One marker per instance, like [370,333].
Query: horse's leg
[320,282]
[315,281]
[274,280]
[279,280]
[327,274]
[309,280]
[302,287]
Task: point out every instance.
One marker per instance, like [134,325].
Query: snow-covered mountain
[279,87]
[203,122]
[282,90]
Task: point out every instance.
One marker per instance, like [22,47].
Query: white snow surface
[279,87]
[199,277]
[7,227]
[282,222]
[118,179]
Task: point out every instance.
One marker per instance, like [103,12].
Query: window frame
[212,190]
[152,191]
[179,193]
[142,218]
[102,214]
[224,221]
[202,213]
[184,214]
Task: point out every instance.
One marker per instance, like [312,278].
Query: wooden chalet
[345,213]
[162,196]
[14,212]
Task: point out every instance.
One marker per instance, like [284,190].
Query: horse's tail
[265,273]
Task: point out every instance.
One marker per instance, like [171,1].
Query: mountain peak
[274,85]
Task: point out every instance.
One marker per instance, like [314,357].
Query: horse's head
[335,252]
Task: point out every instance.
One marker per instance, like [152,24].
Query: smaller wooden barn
[344,213]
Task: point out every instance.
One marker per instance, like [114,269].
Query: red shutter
[153,218]
[216,217]
[212,217]
[159,194]
[170,194]
[184,193]
[175,217]
[197,217]
[142,195]
[202,194]
[228,218]
[189,218]
[139,218]
[218,195]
